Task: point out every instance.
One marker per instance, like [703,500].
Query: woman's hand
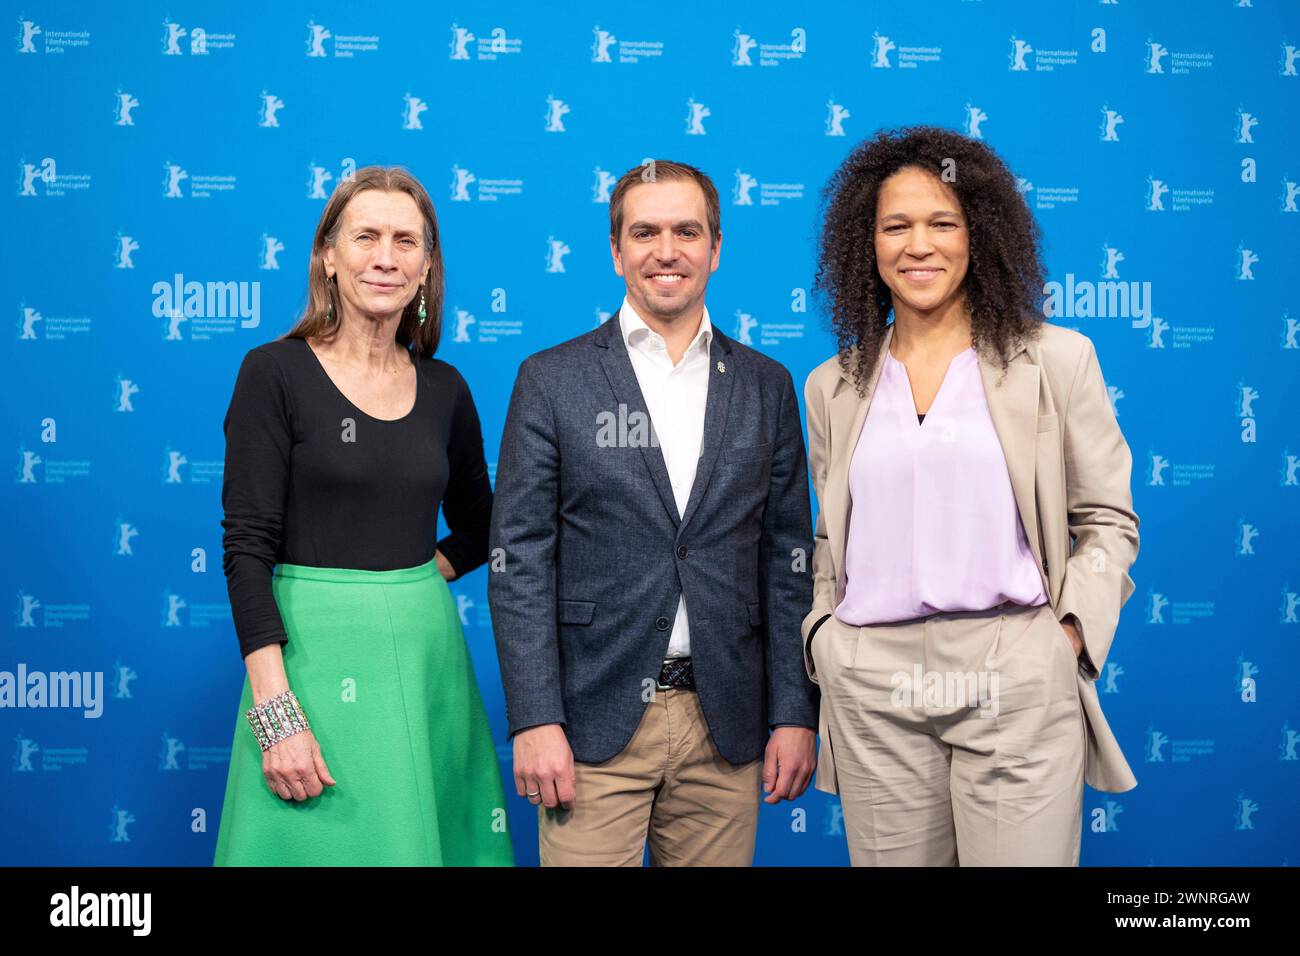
[294,768]
[444,567]
[1072,632]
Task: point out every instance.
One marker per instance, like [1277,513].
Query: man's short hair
[658,170]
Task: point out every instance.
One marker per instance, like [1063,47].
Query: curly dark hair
[1003,285]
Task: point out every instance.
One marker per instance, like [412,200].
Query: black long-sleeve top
[301,486]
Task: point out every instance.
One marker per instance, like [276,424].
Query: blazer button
[662,623]
[681,551]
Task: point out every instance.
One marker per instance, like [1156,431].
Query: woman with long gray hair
[361,737]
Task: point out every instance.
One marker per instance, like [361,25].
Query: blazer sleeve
[1099,510]
[521,588]
[824,581]
[786,589]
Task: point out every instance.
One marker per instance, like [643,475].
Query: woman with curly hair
[975,527]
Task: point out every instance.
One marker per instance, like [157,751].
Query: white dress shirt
[675,397]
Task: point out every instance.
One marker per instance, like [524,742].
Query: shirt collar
[634,329]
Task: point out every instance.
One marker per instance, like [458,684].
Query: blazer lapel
[622,380]
[1013,406]
[722,375]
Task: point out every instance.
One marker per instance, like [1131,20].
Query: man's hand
[789,763]
[544,766]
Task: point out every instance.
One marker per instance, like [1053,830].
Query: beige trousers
[670,785]
[958,739]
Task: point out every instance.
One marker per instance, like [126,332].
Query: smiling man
[651,578]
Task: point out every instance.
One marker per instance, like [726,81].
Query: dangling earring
[423,314]
[330,314]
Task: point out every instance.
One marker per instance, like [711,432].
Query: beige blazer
[1069,467]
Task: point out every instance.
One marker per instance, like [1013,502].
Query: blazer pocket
[749,453]
[1046,422]
[755,615]
[575,612]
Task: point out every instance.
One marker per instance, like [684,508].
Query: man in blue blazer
[651,537]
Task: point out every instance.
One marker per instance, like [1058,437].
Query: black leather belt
[677,672]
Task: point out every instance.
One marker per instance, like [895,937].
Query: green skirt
[379,663]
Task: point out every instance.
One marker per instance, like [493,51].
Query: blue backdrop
[158,145]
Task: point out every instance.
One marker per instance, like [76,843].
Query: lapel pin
[721,367]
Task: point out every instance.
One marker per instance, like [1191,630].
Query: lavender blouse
[934,525]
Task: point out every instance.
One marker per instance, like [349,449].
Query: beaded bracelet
[277,718]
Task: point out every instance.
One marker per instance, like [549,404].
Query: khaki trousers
[670,785]
[958,739]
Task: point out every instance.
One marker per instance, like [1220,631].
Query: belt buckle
[662,666]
